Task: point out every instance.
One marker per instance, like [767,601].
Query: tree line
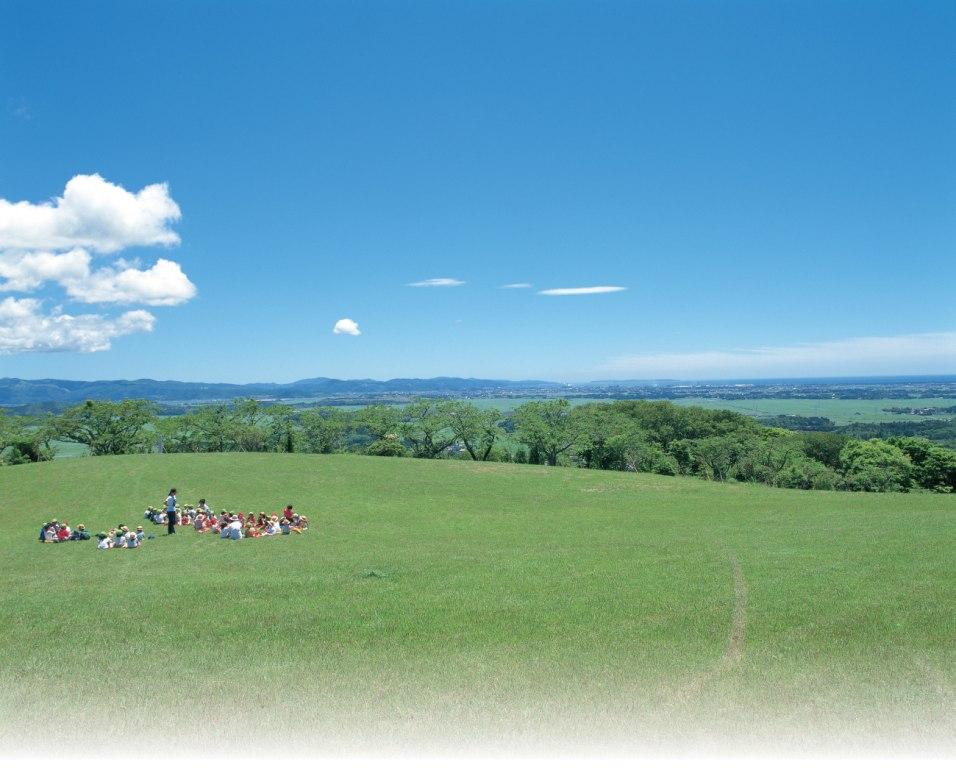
[624,435]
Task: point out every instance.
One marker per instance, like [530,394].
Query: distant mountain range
[60,391]
[42,395]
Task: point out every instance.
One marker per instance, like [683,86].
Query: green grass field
[445,602]
[838,411]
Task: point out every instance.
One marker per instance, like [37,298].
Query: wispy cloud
[347,327]
[582,291]
[437,282]
[517,285]
[921,353]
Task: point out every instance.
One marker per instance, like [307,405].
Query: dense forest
[942,431]
[625,435]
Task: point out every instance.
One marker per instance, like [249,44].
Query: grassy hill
[442,602]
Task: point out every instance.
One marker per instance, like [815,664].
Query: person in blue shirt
[171,512]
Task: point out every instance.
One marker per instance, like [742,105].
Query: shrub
[386,447]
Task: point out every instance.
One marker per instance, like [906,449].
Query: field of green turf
[446,602]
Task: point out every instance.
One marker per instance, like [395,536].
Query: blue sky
[774,184]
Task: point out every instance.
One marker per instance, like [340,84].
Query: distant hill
[61,391]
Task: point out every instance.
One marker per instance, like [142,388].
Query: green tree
[875,465]
[600,436]
[213,427]
[283,430]
[379,421]
[548,428]
[248,426]
[478,429]
[425,425]
[177,434]
[715,457]
[825,447]
[108,428]
[322,429]
[22,442]
[934,467]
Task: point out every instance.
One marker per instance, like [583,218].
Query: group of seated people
[55,532]
[239,525]
[228,525]
[121,537]
[233,525]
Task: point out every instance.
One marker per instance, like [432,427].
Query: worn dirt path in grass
[734,650]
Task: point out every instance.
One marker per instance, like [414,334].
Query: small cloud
[582,291]
[347,327]
[437,282]
[517,285]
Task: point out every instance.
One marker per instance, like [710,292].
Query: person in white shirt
[233,530]
[105,542]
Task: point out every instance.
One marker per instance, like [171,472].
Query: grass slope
[453,602]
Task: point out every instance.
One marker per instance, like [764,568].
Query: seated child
[49,535]
[131,541]
[234,529]
[43,529]
[103,541]
[63,533]
[140,533]
[80,533]
[284,527]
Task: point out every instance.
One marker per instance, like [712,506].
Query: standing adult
[171,512]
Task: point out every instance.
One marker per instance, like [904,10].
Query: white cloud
[163,284]
[24,328]
[29,271]
[92,213]
[582,291]
[437,282]
[517,285]
[55,242]
[924,353]
[347,326]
